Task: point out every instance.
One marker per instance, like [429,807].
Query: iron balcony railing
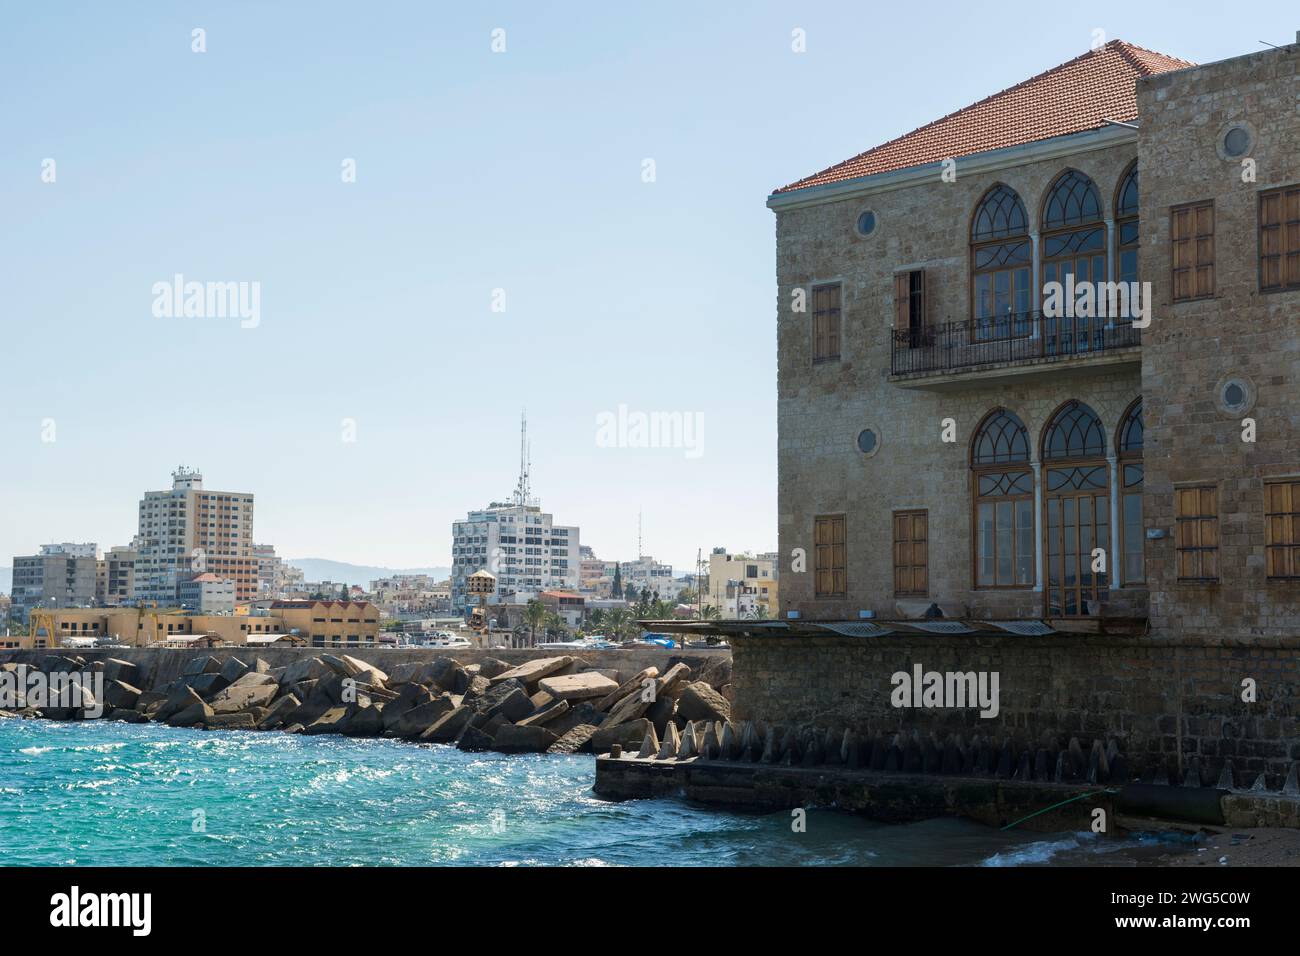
[1019,337]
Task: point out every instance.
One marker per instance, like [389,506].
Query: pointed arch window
[1074,252]
[1001,266]
[1076,501]
[1074,432]
[1128,441]
[1126,226]
[1003,503]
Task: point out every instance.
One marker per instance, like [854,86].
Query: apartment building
[740,584]
[61,575]
[951,434]
[115,576]
[189,530]
[520,544]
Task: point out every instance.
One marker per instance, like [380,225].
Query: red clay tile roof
[1071,98]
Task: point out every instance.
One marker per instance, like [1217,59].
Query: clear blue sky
[475,171]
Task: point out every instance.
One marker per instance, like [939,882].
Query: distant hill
[340,572]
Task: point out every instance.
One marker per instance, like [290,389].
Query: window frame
[1047,233]
[835,328]
[911,515]
[910,304]
[1200,520]
[1191,208]
[1125,457]
[1134,219]
[1019,325]
[979,470]
[1281,193]
[831,521]
[1292,484]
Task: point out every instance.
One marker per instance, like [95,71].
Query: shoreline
[646,722]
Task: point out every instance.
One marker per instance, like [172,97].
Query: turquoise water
[106,793]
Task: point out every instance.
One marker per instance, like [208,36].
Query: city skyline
[375,397]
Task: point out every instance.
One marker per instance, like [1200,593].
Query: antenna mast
[522,491]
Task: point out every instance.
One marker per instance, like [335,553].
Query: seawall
[162,665]
[1172,707]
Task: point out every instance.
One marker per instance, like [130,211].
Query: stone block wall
[823,407]
[1193,347]
[1164,702]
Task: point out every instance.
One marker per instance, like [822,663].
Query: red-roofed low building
[1018,347]
[567,604]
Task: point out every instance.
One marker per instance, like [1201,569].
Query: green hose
[1055,805]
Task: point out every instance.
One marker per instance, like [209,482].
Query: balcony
[1010,346]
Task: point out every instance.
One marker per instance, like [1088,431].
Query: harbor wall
[1171,706]
[161,665]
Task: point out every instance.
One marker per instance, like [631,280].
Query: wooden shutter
[1197,535]
[1205,250]
[1180,250]
[1282,529]
[826,323]
[830,564]
[1279,239]
[911,553]
[902,302]
[1191,239]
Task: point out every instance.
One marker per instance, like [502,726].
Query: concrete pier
[887,797]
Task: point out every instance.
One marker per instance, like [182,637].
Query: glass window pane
[985,544]
[1025,542]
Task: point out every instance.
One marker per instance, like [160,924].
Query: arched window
[1001,266]
[1003,498]
[1074,252]
[1076,498]
[1074,432]
[1128,440]
[1126,226]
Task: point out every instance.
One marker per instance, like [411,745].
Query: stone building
[956,430]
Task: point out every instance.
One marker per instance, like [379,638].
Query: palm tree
[534,614]
[711,613]
[554,624]
[618,622]
[759,613]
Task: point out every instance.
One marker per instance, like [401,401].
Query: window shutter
[902,299]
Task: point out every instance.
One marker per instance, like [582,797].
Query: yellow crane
[38,619]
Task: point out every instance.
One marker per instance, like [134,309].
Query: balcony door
[1077,524]
[1074,255]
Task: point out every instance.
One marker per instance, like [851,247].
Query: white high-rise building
[516,541]
[521,545]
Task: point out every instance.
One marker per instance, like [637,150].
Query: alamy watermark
[634,429]
[75,908]
[179,299]
[26,687]
[950,690]
[1098,300]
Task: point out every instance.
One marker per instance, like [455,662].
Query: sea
[104,793]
